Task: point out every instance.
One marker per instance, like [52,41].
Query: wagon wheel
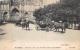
[53,28]
[47,29]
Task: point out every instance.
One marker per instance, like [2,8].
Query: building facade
[12,10]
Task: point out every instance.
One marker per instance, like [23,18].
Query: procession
[41,25]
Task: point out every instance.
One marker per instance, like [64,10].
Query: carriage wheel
[47,29]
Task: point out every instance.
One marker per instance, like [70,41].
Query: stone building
[4,10]
[12,10]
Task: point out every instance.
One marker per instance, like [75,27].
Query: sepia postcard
[39,24]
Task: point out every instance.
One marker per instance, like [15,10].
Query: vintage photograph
[26,24]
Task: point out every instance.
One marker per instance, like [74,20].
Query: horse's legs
[63,30]
[55,28]
[58,29]
[27,27]
[23,25]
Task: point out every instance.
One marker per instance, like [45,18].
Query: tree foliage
[66,8]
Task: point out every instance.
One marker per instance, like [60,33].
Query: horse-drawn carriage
[42,25]
[45,25]
[51,26]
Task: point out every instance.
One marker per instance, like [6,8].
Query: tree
[67,8]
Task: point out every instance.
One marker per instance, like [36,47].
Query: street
[17,36]
[17,33]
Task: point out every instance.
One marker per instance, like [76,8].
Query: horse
[27,25]
[60,25]
[18,23]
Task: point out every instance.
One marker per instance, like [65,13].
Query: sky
[47,1]
[50,1]
[3,0]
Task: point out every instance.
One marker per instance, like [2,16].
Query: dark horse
[25,24]
[60,25]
